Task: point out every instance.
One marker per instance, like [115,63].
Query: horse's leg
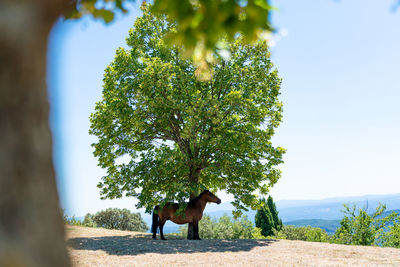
[196,231]
[161,223]
[154,225]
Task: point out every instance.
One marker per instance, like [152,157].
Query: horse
[193,213]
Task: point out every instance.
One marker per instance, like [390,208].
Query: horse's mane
[198,197]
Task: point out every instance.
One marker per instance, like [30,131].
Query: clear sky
[340,64]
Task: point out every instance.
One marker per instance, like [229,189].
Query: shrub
[73,221]
[225,228]
[89,221]
[305,233]
[121,219]
[257,233]
[361,228]
[390,236]
[70,221]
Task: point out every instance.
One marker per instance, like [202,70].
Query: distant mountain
[328,225]
[325,209]
[388,212]
[393,199]
[330,209]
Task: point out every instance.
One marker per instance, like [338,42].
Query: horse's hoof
[163,238]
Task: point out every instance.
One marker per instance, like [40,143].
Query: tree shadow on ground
[129,245]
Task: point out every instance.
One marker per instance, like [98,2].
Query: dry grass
[102,247]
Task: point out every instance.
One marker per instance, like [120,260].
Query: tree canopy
[164,135]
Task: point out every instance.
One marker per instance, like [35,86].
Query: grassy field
[102,247]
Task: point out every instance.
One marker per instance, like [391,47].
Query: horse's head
[210,197]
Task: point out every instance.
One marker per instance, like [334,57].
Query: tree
[274,213]
[164,136]
[361,228]
[267,217]
[29,200]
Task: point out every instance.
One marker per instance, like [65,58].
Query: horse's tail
[156,220]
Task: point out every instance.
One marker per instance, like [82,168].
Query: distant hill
[330,209]
[386,213]
[328,225]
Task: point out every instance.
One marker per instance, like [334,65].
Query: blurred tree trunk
[31,225]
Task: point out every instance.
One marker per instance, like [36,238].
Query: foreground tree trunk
[31,225]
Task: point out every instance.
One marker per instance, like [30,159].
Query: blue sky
[339,61]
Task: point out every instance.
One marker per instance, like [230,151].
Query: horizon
[339,92]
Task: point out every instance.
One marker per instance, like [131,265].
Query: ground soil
[102,247]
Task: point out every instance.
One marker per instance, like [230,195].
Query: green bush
[70,221]
[361,228]
[390,237]
[225,228]
[73,221]
[89,221]
[257,233]
[305,233]
[121,219]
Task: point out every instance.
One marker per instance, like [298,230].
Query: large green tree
[163,135]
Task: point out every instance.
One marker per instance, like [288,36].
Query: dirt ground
[102,247]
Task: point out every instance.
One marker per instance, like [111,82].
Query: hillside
[101,247]
[328,225]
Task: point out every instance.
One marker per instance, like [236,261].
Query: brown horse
[193,213]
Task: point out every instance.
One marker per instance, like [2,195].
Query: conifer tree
[267,217]
[274,213]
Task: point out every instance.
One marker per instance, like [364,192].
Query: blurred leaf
[200,24]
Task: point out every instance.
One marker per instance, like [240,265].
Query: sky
[339,61]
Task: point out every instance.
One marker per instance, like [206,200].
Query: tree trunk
[31,225]
[190,232]
[194,178]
